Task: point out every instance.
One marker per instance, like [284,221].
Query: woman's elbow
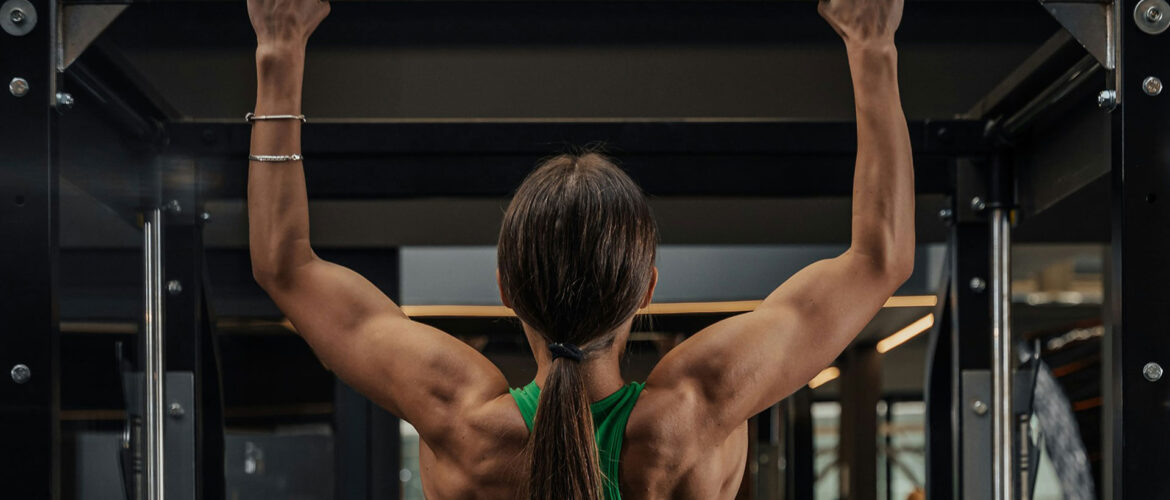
[267,276]
[270,273]
[900,269]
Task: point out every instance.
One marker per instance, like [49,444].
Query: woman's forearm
[883,193]
[278,208]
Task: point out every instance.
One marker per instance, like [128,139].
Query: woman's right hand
[863,21]
[286,22]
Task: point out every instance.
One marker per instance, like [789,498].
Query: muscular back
[666,453]
[686,437]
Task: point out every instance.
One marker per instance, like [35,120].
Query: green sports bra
[609,422]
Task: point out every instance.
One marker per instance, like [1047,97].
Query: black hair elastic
[566,351]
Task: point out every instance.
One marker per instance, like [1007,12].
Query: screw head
[946,214]
[205,216]
[1153,14]
[17,16]
[64,100]
[20,374]
[173,207]
[979,407]
[18,87]
[978,204]
[174,287]
[1152,85]
[1106,99]
[978,284]
[1152,371]
[175,410]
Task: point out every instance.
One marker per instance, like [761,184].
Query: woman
[576,261]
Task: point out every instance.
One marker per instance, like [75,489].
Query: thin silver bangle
[252,117]
[275,158]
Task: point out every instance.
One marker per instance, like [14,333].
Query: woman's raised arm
[417,372]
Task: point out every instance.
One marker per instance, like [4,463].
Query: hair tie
[566,351]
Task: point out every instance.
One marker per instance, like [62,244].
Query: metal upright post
[29,333]
[1003,422]
[799,473]
[958,462]
[861,389]
[153,340]
[1137,351]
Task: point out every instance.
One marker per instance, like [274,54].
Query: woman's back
[664,454]
[575,262]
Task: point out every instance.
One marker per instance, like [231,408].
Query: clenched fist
[284,22]
[863,21]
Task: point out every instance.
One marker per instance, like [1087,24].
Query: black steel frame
[1136,401]
[29,335]
[669,158]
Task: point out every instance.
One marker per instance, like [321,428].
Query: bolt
[175,410]
[977,204]
[64,100]
[977,284]
[979,407]
[174,287]
[1153,14]
[1152,86]
[1106,99]
[1152,371]
[16,16]
[21,374]
[18,86]
[946,214]
[173,207]
[205,216]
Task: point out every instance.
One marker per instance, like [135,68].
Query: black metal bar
[115,104]
[1056,55]
[943,137]
[968,329]
[189,345]
[1081,74]
[103,2]
[29,336]
[489,158]
[411,23]
[938,394]
[800,474]
[861,389]
[351,414]
[367,439]
[1138,398]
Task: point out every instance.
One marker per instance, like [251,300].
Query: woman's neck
[602,371]
[603,374]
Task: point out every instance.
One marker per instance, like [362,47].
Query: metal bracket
[80,26]
[1092,24]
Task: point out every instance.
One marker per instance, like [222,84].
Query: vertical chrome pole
[1003,425]
[153,373]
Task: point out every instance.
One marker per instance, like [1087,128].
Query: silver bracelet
[275,158]
[252,117]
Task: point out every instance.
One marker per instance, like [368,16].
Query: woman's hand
[285,22]
[863,22]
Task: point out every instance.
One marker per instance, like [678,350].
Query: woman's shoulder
[670,444]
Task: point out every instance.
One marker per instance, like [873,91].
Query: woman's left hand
[285,22]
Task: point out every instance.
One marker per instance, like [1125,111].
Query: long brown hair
[576,257]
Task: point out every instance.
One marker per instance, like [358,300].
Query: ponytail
[565,462]
[576,259]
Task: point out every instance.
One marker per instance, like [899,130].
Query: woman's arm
[419,373]
[741,365]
